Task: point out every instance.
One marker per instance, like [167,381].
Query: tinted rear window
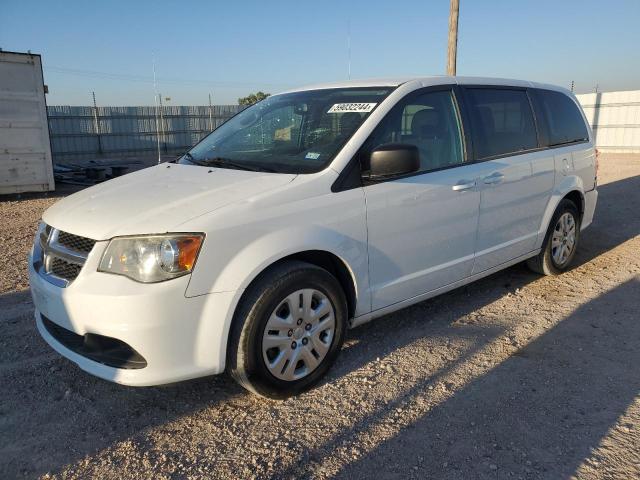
[502,121]
[562,117]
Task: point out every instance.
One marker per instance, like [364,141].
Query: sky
[231,48]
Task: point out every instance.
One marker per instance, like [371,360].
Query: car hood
[156,199]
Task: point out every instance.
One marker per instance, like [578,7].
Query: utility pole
[452,50]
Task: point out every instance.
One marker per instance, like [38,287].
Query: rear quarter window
[561,117]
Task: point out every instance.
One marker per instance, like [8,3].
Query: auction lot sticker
[352,107]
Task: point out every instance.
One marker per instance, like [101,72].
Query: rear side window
[562,118]
[502,121]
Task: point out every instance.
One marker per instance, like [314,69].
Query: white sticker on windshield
[312,156]
[352,107]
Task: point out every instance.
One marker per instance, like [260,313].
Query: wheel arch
[577,197]
[571,188]
[334,263]
[326,260]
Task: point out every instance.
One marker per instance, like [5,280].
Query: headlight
[152,258]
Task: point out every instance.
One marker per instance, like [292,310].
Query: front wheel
[288,330]
[560,242]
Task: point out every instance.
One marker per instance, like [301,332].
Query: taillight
[597,163]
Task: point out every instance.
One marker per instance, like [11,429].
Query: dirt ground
[514,376]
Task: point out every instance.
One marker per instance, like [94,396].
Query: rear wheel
[561,241]
[288,330]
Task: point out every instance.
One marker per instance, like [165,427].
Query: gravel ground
[514,376]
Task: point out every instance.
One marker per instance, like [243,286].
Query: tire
[261,353]
[550,260]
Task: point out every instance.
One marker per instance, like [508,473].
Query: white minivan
[310,212]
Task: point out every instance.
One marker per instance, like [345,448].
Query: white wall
[615,119]
[25,151]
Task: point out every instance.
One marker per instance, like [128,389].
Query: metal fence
[79,133]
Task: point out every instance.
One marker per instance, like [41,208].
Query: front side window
[562,117]
[298,132]
[502,121]
[429,121]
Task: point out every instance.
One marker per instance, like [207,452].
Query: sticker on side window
[352,107]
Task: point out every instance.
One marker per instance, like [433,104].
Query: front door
[422,227]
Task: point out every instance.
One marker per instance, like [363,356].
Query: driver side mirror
[392,160]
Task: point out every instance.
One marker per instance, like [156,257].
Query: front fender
[257,256]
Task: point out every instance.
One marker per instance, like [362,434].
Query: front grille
[106,350]
[44,236]
[75,242]
[59,256]
[63,269]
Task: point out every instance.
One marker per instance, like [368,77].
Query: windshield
[298,132]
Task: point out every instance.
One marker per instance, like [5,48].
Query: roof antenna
[349,48]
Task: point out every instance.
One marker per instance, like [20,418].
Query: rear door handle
[494,178]
[463,185]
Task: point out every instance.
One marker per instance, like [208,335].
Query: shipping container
[25,150]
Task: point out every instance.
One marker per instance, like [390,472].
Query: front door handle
[463,185]
[494,178]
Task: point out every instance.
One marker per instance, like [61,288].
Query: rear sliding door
[516,177]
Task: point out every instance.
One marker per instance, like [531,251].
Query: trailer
[25,150]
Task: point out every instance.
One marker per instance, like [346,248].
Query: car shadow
[572,385]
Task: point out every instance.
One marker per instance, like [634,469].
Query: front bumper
[178,337]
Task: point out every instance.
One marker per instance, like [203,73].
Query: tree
[253,98]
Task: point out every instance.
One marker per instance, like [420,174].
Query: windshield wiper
[189,157]
[228,163]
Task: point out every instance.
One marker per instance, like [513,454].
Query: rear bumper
[590,200]
[173,337]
